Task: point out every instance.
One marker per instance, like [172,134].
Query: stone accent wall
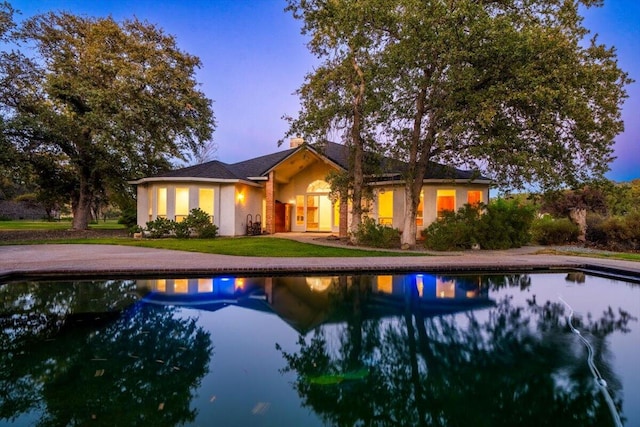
[270,220]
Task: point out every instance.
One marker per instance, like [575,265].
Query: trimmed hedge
[554,231]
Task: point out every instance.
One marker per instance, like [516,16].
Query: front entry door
[318,213]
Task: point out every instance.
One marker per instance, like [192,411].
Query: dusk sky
[254,58]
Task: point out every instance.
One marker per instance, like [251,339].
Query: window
[420,211]
[150,202]
[445,201]
[336,213]
[205,201]
[385,207]
[182,203]
[474,197]
[299,210]
[162,202]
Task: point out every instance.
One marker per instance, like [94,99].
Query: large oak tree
[111,100]
[512,87]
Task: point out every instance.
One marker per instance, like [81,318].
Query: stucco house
[287,191]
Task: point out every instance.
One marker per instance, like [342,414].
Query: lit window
[182,203]
[445,201]
[474,197]
[319,186]
[299,210]
[161,285]
[420,211]
[336,213]
[162,202]
[385,207]
[150,202]
[205,201]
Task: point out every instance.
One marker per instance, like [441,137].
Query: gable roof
[249,170]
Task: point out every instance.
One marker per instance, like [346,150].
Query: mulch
[30,235]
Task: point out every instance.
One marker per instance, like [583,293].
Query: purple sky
[254,58]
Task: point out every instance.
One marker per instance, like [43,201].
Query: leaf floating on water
[175,368]
[161,406]
[260,408]
[213,398]
[98,359]
[99,373]
[331,379]
[160,361]
[133,356]
[182,348]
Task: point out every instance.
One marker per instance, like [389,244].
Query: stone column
[343,230]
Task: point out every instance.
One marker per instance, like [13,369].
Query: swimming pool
[406,349]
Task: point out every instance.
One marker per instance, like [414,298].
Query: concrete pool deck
[56,260]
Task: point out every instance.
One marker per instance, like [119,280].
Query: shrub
[378,236]
[198,220]
[160,227]
[208,232]
[129,217]
[500,225]
[554,231]
[616,233]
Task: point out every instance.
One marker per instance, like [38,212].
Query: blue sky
[254,58]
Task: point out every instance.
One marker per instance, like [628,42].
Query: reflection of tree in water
[518,366]
[137,367]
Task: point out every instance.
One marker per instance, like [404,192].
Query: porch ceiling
[294,164]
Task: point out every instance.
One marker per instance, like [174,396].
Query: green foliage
[198,223]
[93,127]
[128,217]
[500,225]
[160,227]
[375,235]
[554,231]
[621,233]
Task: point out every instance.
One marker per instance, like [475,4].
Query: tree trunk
[579,217]
[358,152]
[82,207]
[413,180]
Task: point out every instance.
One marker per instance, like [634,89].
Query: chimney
[295,142]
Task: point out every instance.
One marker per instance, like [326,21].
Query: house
[287,191]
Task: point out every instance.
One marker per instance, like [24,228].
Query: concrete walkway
[110,260]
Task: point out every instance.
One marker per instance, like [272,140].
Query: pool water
[390,350]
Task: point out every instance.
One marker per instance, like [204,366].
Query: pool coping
[93,261]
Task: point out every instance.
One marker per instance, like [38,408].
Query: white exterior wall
[142,211]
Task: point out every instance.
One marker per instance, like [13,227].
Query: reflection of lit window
[445,201]
[385,207]
[385,284]
[472,294]
[420,284]
[319,284]
[161,285]
[181,286]
[445,289]
[205,285]
[239,284]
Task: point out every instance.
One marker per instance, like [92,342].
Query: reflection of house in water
[307,302]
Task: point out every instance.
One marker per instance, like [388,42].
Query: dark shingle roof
[337,153]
